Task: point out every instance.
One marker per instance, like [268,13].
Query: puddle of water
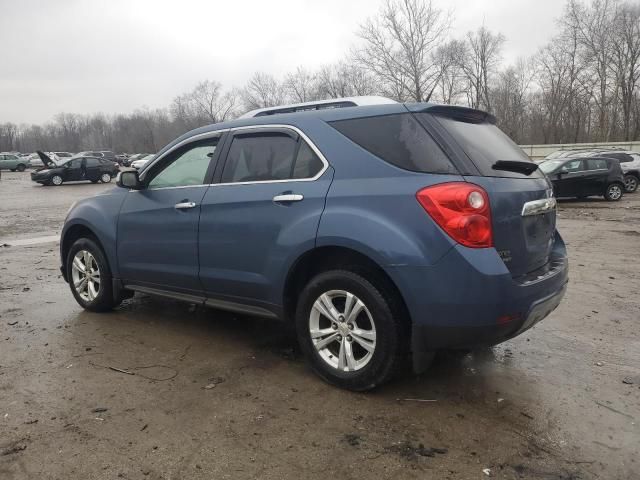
[31,241]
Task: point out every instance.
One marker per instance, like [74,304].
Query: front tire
[350,330]
[21,167]
[89,276]
[614,192]
[56,180]
[105,178]
[630,183]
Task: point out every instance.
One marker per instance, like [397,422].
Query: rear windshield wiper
[527,168]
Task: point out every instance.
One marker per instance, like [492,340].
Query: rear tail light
[462,210]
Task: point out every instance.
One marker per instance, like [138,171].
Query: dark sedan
[74,170]
[585,177]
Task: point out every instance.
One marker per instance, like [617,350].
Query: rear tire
[21,167]
[89,276]
[614,192]
[359,351]
[630,183]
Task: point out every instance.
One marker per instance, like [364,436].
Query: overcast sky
[86,56]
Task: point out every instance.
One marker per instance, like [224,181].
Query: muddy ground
[158,389]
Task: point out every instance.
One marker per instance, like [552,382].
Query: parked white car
[138,164]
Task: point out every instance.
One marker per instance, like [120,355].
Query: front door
[568,179]
[160,246]
[263,212]
[73,170]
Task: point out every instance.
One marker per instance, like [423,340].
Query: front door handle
[288,197]
[184,205]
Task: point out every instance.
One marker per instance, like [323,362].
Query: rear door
[524,241]
[263,212]
[596,172]
[92,169]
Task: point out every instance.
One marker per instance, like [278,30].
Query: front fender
[100,215]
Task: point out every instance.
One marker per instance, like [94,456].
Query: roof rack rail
[319,105]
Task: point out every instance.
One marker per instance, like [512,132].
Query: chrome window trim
[201,136]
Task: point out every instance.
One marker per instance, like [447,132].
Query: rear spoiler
[463,114]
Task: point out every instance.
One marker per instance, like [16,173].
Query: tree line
[582,86]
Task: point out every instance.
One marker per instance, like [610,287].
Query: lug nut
[339,338]
[349,339]
[334,326]
[351,326]
[341,318]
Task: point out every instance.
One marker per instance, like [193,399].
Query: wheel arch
[330,257]
[73,233]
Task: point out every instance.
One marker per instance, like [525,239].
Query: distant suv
[585,177]
[381,232]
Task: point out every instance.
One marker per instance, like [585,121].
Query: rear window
[485,144]
[399,140]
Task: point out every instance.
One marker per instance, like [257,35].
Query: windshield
[549,166]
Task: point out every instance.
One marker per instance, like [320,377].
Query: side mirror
[129,179]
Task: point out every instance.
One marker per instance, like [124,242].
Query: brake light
[462,210]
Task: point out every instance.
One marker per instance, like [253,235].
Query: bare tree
[344,79]
[263,90]
[626,59]
[594,28]
[480,63]
[450,58]
[301,86]
[399,46]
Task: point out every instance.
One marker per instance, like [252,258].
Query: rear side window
[485,144]
[399,140]
[259,157]
[307,163]
[596,164]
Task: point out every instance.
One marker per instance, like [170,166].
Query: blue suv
[382,232]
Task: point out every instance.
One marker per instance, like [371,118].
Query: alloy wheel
[56,180]
[630,183]
[106,178]
[85,275]
[615,192]
[342,330]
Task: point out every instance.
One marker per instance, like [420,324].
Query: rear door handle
[288,197]
[184,205]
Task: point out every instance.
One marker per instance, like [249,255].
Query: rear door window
[398,139]
[485,144]
[259,157]
[596,164]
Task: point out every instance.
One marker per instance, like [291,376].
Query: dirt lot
[159,389]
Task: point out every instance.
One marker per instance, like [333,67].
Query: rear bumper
[470,299]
